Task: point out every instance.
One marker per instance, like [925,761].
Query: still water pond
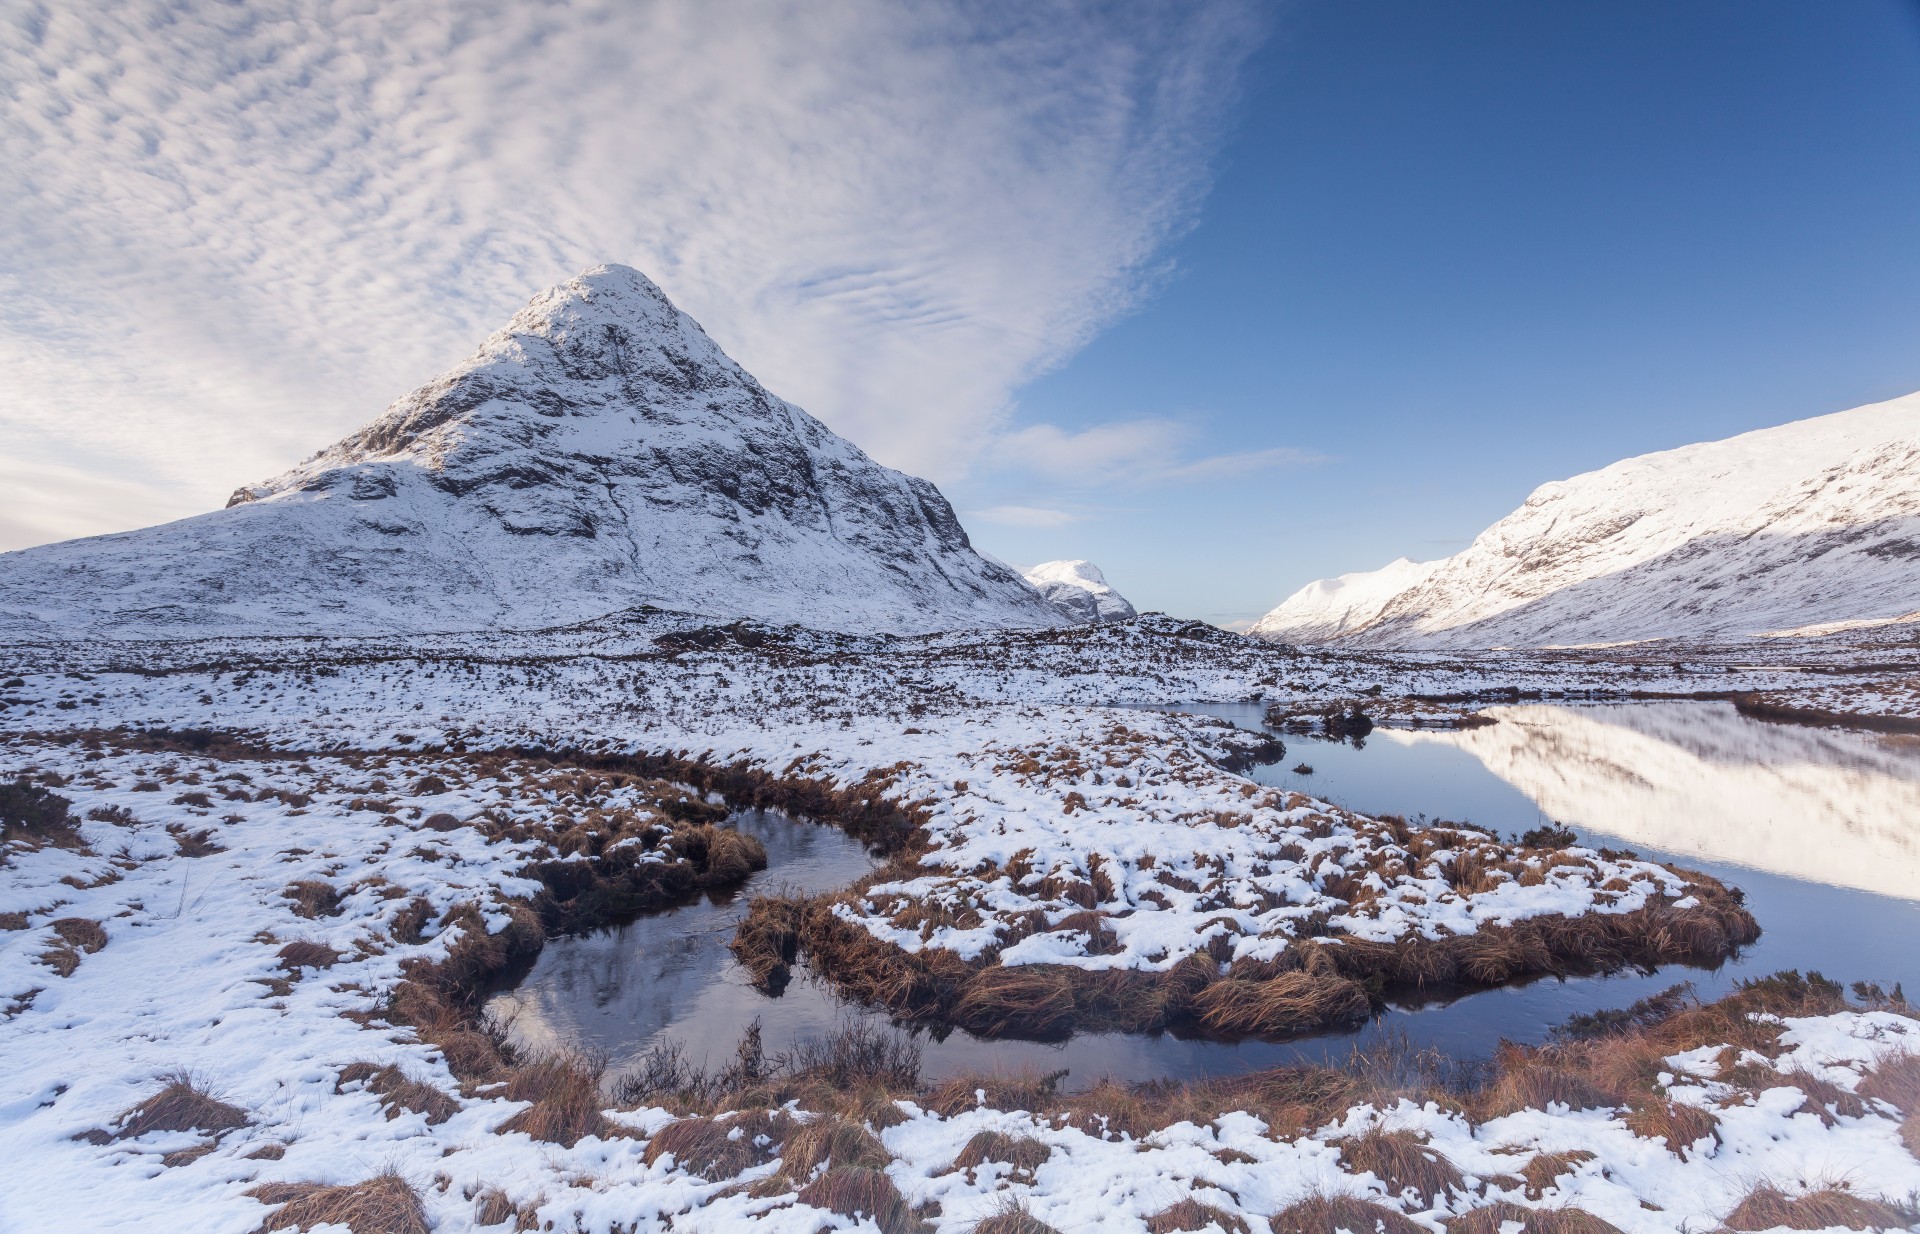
[1820,828]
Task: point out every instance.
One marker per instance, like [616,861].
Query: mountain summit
[1805,524]
[598,453]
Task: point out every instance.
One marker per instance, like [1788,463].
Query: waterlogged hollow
[1820,828]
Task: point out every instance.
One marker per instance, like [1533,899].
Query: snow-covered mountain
[598,453]
[1079,591]
[1808,523]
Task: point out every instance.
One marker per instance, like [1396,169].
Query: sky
[1222,296]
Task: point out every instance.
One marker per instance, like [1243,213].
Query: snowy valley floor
[250,892]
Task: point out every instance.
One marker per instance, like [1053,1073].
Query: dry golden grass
[183,1104]
[768,939]
[1191,1214]
[313,898]
[1681,1126]
[1492,1217]
[707,1147]
[303,953]
[567,1103]
[1335,1214]
[398,1093]
[1021,1154]
[383,1204]
[855,1191]
[1012,1218]
[1545,1170]
[1402,1161]
[1767,1207]
[88,936]
[833,1141]
[1290,1002]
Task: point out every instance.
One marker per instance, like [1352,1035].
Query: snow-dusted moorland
[284,900]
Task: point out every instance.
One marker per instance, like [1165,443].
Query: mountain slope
[1810,522]
[598,453]
[1079,591]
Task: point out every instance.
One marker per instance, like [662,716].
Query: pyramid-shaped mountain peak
[597,453]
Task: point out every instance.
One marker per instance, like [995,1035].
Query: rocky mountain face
[597,454]
[1807,524]
[1079,591]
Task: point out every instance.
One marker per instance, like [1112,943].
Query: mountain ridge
[599,452]
[1810,522]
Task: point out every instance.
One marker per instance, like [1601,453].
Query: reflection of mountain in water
[1702,780]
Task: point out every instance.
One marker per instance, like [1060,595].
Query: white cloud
[1024,516]
[1147,450]
[235,232]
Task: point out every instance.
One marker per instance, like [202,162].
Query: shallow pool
[1821,829]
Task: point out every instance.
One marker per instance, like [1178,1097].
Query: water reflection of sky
[1804,820]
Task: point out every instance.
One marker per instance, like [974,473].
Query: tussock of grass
[1767,1207]
[383,1204]
[567,1104]
[768,940]
[1290,1002]
[183,1104]
[833,1141]
[1681,1126]
[1191,1214]
[1021,1154]
[1402,1161]
[34,816]
[303,953]
[1012,1218]
[1544,1172]
[1341,1214]
[398,1093]
[855,1191]
[313,898]
[1492,1218]
[712,1149]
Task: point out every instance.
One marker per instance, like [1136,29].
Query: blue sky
[1222,295]
[1457,250]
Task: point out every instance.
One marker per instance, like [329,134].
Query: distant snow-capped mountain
[1079,591]
[598,453]
[1805,524]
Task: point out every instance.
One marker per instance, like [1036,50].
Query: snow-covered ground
[157,949]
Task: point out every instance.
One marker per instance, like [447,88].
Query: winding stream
[1820,828]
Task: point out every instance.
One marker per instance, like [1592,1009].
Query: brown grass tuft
[1012,1218]
[714,1150]
[1490,1219]
[1767,1207]
[1022,1154]
[398,1093]
[862,1191]
[79,932]
[830,1140]
[1191,1214]
[1402,1161]
[1546,1170]
[383,1204]
[768,940]
[1896,1081]
[1343,1214]
[1025,1000]
[567,1103]
[313,898]
[1681,1126]
[184,1104]
[1287,1003]
[305,954]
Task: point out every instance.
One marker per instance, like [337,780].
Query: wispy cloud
[1133,451]
[1023,516]
[235,232]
